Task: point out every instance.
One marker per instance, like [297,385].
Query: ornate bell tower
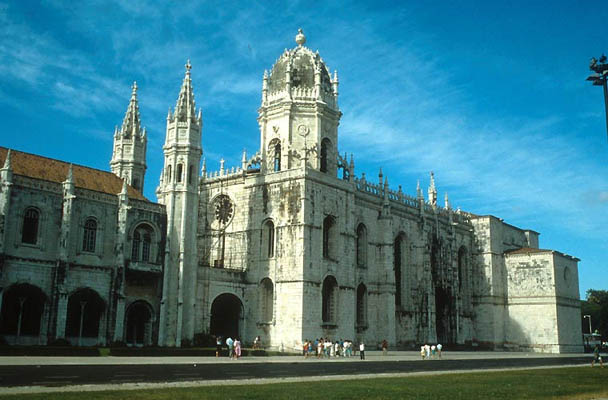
[129,152]
[299,115]
[178,191]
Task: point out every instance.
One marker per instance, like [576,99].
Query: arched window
[361,246]
[136,183]
[399,267]
[179,172]
[329,236]
[31,220]
[266,300]
[90,235]
[325,149]
[168,172]
[277,157]
[135,247]
[190,174]
[361,305]
[329,294]
[145,247]
[268,239]
[143,244]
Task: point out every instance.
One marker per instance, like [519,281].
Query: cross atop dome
[300,38]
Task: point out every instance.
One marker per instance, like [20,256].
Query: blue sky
[491,96]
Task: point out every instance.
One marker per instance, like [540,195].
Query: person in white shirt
[362,350]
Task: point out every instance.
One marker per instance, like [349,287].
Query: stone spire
[446,201]
[130,145]
[7,161]
[68,184]
[131,124]
[419,191]
[432,191]
[185,107]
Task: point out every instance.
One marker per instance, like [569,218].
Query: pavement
[369,355]
[20,375]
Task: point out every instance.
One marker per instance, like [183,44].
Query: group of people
[325,348]
[430,351]
[234,347]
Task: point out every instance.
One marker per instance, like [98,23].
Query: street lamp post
[588,316]
[599,77]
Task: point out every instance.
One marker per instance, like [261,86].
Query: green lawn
[554,383]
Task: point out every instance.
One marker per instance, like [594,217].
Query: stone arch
[445,299]
[84,316]
[266,296]
[268,239]
[400,269]
[361,246]
[22,311]
[139,322]
[330,237]
[329,300]
[227,315]
[361,306]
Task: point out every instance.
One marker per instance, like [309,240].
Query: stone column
[120,319]
[62,308]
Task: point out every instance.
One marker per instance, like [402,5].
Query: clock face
[223,209]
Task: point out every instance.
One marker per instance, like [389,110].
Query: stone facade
[291,244]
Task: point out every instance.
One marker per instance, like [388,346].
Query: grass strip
[553,383]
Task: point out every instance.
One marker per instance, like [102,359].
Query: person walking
[597,357]
[384,347]
[230,344]
[218,345]
[362,350]
[237,349]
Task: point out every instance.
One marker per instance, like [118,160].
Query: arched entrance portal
[226,316]
[85,310]
[139,324]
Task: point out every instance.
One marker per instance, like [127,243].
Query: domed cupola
[299,115]
[300,74]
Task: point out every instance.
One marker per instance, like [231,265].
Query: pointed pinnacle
[7,162]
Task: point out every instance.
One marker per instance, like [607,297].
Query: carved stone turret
[299,115]
[130,142]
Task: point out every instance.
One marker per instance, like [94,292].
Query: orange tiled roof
[48,169]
